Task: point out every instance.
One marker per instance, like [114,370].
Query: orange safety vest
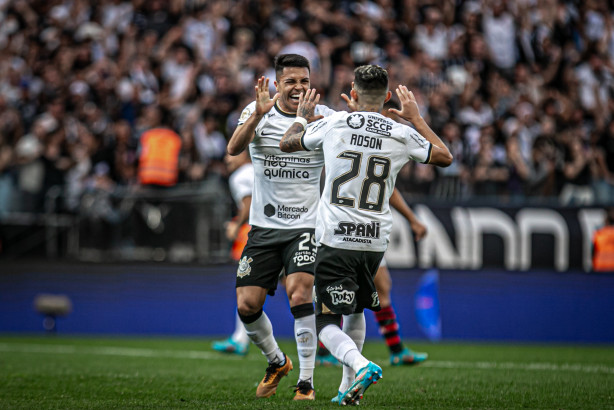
[159,157]
[603,249]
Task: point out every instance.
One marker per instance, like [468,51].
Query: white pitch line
[195,354]
[566,367]
[113,351]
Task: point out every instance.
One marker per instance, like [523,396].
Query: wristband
[301,121]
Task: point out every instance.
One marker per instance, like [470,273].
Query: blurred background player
[603,245]
[241,183]
[386,318]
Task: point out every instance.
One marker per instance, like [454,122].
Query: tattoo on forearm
[291,140]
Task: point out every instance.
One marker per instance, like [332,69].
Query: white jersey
[286,185]
[363,154]
[241,183]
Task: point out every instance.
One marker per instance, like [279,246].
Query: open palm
[264,102]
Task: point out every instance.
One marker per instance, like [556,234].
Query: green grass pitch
[54,372]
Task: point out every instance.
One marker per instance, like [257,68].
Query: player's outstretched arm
[305,112]
[440,154]
[398,203]
[244,134]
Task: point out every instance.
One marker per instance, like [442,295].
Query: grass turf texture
[100,373]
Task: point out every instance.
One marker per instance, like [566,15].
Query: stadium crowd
[521,91]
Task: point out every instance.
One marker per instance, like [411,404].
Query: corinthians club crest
[356,121]
[244,267]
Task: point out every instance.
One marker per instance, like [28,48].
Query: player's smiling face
[292,82]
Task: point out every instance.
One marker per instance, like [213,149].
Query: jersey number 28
[373,177]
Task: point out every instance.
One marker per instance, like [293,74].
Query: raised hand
[307,105]
[352,104]
[264,102]
[409,107]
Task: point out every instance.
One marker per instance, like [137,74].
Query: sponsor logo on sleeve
[316,126]
[245,115]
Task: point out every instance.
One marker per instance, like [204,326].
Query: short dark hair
[371,79]
[290,60]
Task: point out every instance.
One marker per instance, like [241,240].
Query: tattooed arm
[291,140]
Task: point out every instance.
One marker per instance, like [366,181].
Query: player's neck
[369,108]
[284,109]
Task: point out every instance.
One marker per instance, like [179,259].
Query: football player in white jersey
[363,153]
[282,215]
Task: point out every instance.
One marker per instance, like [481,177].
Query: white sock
[355,327]
[260,333]
[240,335]
[306,344]
[342,347]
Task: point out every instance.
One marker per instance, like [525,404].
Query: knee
[299,298]
[247,306]
[300,295]
[299,287]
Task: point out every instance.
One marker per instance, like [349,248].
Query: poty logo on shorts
[244,267]
[339,296]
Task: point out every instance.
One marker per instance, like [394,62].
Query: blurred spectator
[500,34]
[576,173]
[6,177]
[603,244]
[431,36]
[604,154]
[453,181]
[490,173]
[365,49]
[540,169]
[158,152]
